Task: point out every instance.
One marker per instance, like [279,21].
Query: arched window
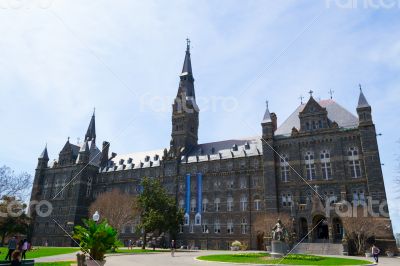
[286,199]
[193,205]
[204,226]
[229,204]
[181,204]
[89,186]
[229,226]
[243,203]
[284,163]
[217,226]
[310,166]
[257,203]
[243,226]
[326,165]
[204,206]
[243,182]
[217,204]
[354,162]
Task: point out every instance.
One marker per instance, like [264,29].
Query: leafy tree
[158,211]
[13,218]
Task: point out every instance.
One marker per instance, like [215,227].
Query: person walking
[12,246]
[24,249]
[375,253]
[173,246]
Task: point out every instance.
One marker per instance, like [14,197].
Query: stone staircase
[319,248]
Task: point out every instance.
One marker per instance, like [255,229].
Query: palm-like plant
[96,238]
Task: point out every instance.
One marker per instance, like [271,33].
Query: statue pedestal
[278,249]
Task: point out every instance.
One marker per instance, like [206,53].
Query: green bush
[96,238]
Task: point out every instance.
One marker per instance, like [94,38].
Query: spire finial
[311,92]
[331,93]
[94,110]
[68,138]
[301,99]
[187,44]
[360,87]
[266,103]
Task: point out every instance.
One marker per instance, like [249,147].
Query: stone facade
[320,156]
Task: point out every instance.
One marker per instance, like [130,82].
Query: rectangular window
[326,170]
[355,169]
[229,227]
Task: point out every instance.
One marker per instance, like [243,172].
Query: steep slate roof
[336,112]
[362,101]
[225,149]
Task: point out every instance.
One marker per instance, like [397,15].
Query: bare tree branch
[117,207]
[14,185]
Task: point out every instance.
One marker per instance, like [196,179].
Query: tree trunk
[144,240]
[3,237]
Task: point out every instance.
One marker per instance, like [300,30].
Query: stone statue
[278,231]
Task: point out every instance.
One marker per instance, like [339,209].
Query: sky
[60,59]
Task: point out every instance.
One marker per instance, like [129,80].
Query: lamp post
[96,216]
[207,239]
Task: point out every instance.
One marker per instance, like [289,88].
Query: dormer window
[234,147]
[147,158]
[130,160]
[247,146]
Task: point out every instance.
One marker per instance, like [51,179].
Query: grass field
[63,263]
[295,259]
[42,252]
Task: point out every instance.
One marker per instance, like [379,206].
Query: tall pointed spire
[91,131]
[44,155]
[267,115]
[187,64]
[362,101]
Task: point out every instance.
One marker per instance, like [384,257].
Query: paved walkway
[180,259]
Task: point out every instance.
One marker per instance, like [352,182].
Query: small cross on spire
[266,103]
[301,99]
[188,44]
[331,93]
[360,87]
[311,92]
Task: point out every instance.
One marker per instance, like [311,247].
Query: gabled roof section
[312,106]
[336,112]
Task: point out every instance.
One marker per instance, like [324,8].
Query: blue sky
[59,59]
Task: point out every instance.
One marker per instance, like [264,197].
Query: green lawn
[42,252]
[63,263]
[293,259]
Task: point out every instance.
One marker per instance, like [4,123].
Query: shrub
[96,238]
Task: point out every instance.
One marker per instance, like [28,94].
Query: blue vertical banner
[187,210]
[199,192]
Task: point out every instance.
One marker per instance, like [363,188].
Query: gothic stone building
[227,187]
